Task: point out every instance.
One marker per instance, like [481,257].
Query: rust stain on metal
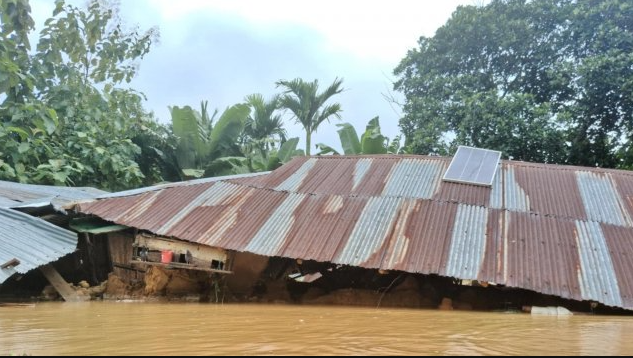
[196,223]
[514,196]
[167,204]
[251,216]
[379,256]
[273,233]
[227,220]
[373,182]
[496,192]
[110,207]
[316,235]
[139,208]
[430,232]
[463,193]
[329,177]
[624,186]
[398,245]
[493,260]
[296,179]
[275,178]
[215,194]
[542,255]
[551,192]
[620,243]
[370,232]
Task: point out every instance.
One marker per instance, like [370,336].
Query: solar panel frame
[466,170]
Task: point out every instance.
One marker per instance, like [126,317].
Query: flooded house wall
[95,257]
[247,269]
[121,252]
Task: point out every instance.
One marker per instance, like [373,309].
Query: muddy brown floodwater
[120,328]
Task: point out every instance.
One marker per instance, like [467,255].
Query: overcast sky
[221,51]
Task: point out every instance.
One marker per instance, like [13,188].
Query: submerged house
[557,230]
[33,230]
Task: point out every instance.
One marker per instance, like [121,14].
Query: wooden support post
[62,287]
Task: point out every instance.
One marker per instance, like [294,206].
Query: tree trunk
[308,140]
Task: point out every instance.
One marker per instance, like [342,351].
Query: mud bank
[282,281]
[353,287]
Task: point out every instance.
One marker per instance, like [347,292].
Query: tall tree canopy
[64,118]
[308,105]
[542,80]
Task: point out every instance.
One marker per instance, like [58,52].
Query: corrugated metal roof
[513,195]
[295,180]
[468,243]
[412,178]
[271,236]
[7,203]
[14,195]
[34,242]
[393,213]
[180,183]
[541,254]
[620,243]
[597,275]
[370,232]
[601,199]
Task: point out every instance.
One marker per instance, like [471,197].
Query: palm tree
[302,99]
[263,124]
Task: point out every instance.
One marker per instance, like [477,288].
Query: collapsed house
[557,230]
[131,251]
[34,230]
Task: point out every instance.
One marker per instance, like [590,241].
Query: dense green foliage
[63,117]
[542,80]
[201,142]
[239,142]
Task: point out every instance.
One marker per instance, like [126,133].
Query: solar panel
[473,166]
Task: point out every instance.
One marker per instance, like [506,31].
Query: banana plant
[371,142]
[203,142]
[256,159]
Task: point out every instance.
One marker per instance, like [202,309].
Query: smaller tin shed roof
[32,241]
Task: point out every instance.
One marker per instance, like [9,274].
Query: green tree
[258,160]
[371,142]
[206,148]
[264,126]
[541,80]
[308,106]
[64,120]
[211,148]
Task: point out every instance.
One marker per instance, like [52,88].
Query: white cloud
[370,30]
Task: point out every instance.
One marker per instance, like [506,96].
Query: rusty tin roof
[559,230]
